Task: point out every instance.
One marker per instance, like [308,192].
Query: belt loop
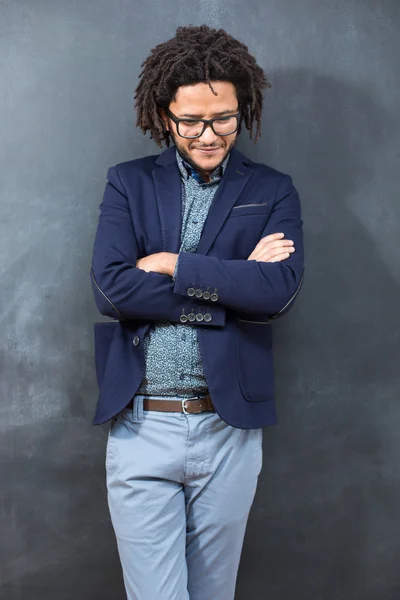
[137,410]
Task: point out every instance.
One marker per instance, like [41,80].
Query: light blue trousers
[180,488]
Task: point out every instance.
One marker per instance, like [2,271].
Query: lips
[208,150]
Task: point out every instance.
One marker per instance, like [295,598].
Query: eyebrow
[217,114]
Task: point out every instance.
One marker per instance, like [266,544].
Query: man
[197,250]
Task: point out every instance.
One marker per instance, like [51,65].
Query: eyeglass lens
[195,128]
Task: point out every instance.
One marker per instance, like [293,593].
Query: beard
[187,157]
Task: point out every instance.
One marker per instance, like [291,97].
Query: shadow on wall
[328,135]
[336,353]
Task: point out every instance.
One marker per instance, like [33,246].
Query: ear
[164,118]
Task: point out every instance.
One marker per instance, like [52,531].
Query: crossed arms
[128,287]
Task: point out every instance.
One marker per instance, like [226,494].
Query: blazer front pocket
[103,336]
[254,360]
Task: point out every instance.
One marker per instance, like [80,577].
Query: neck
[205,175]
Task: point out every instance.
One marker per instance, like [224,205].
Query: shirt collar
[187,170]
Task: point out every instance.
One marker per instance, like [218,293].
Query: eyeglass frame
[206,123]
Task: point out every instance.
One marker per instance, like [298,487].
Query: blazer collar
[167,157]
[167,183]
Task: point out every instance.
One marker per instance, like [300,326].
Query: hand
[272,248]
[160,262]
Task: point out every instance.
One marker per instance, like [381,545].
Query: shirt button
[181,376]
[136,340]
[207,317]
[191,291]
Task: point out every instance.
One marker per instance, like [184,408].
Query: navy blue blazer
[141,214]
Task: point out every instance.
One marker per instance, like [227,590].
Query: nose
[208,137]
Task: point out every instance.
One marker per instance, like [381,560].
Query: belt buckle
[185,409]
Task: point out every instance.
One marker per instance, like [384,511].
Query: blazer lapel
[169,199]
[236,176]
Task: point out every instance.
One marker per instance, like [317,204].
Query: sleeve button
[191,317]
[183,318]
[136,340]
[191,291]
[214,297]
[198,293]
[206,295]
[199,317]
[207,317]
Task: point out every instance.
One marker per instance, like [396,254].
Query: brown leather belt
[187,405]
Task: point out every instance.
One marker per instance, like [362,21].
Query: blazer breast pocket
[243,210]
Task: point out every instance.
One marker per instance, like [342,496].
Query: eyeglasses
[194,128]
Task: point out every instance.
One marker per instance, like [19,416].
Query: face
[197,101]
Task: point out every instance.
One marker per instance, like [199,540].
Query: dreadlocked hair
[198,55]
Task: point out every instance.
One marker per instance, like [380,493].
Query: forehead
[199,99]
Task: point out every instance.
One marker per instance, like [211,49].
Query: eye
[190,123]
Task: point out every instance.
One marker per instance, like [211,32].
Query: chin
[209,163]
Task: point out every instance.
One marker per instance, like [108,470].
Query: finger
[264,242]
[278,250]
[279,257]
[272,236]
[269,253]
[279,244]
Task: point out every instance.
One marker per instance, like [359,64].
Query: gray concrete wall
[326,518]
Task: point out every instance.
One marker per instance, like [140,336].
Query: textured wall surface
[326,518]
